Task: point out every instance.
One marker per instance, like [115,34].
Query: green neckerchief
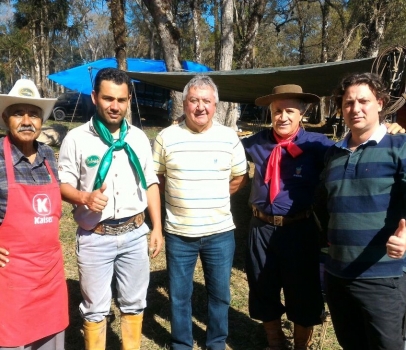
[118,145]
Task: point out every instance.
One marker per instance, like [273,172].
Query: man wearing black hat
[283,243]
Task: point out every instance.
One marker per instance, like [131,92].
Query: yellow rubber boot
[95,335]
[131,326]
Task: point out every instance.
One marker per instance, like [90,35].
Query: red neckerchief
[273,167]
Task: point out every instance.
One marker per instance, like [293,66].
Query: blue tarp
[81,78]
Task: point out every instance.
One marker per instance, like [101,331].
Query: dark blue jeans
[367,313]
[216,253]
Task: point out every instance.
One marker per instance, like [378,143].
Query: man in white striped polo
[199,163]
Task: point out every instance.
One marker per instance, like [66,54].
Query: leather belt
[278,220]
[119,229]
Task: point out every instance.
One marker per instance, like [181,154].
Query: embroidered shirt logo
[298,171]
[92,161]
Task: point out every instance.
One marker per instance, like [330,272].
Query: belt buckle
[278,220]
[138,220]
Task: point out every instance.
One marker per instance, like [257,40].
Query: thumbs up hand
[396,245]
[96,200]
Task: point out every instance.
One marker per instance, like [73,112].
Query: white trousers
[101,256]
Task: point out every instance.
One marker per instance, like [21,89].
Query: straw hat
[286,92]
[24,91]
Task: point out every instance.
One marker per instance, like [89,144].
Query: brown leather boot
[131,326]
[302,337]
[274,333]
[95,335]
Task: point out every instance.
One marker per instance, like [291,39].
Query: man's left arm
[154,210]
[239,167]
[396,244]
[238,182]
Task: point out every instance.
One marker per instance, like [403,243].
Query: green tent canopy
[245,85]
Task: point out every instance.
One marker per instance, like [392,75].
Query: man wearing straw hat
[32,280]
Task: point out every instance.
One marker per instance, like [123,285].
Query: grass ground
[245,333]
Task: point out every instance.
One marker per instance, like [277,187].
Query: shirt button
[115,175]
[114,157]
[116,193]
[118,210]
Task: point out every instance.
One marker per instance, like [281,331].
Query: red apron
[33,293]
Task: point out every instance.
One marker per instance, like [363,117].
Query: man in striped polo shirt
[199,163]
[365,180]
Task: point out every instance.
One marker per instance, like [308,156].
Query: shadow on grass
[73,334]
[244,333]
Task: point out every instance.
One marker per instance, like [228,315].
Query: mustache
[26,128]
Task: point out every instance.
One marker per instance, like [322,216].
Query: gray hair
[201,81]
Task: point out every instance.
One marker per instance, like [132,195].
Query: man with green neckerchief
[106,172]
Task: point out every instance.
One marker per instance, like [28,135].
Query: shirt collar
[377,136]
[18,156]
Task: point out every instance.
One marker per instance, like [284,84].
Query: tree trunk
[36,57]
[251,24]
[196,11]
[45,51]
[152,33]
[302,33]
[325,11]
[151,51]
[119,29]
[169,34]
[226,112]
[217,34]
[227,35]
[345,42]
[348,27]
[375,29]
